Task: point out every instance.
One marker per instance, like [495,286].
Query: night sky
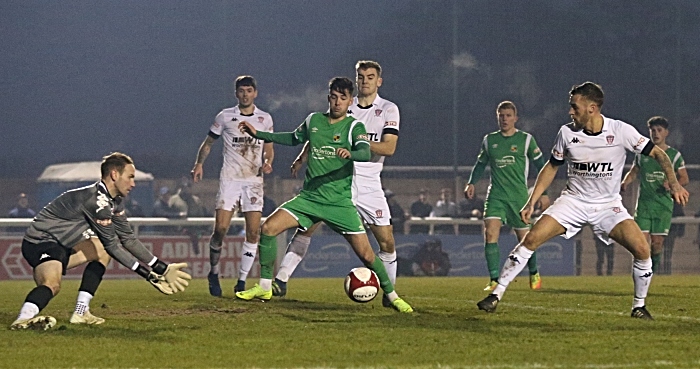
[81,79]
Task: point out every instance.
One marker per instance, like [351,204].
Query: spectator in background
[604,251]
[421,208]
[445,207]
[185,202]
[161,208]
[132,207]
[431,260]
[22,209]
[398,216]
[471,208]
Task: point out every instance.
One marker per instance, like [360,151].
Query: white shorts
[573,214]
[248,196]
[371,204]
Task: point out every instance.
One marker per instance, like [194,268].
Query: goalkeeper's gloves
[159,282]
[176,278]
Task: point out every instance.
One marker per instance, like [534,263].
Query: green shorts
[653,220]
[342,218]
[507,211]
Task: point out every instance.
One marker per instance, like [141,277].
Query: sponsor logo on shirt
[323,152]
[362,137]
[102,202]
[390,124]
[234,119]
[592,170]
[373,136]
[655,177]
[505,161]
[314,129]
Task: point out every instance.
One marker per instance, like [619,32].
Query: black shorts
[37,253]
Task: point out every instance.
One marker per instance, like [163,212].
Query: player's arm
[544,180]
[202,153]
[683,178]
[360,150]
[386,147]
[538,161]
[478,170]
[679,194]
[268,157]
[630,176]
[282,138]
[302,158]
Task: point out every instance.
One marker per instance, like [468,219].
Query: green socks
[655,262]
[268,253]
[378,267]
[493,260]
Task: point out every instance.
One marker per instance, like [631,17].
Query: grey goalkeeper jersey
[79,214]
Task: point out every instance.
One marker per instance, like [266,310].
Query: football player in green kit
[654,202]
[335,142]
[508,152]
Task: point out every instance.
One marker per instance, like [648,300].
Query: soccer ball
[361,285]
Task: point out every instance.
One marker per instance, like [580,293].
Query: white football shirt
[379,118]
[243,154]
[595,162]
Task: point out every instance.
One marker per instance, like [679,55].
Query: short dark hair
[657,121]
[246,81]
[591,91]
[366,64]
[115,160]
[507,105]
[342,85]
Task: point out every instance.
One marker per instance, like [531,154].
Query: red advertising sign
[167,248]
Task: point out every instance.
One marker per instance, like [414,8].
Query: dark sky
[81,79]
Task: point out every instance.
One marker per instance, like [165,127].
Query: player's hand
[267,168]
[197,173]
[543,202]
[159,282]
[526,213]
[176,278]
[679,194]
[343,153]
[248,128]
[469,191]
[623,186]
[296,167]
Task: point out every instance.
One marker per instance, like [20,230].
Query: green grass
[574,322]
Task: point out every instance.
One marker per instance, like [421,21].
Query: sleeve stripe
[390,131]
[648,147]
[675,159]
[556,162]
[213,135]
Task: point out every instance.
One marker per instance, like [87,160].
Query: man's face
[246,96]
[506,119]
[338,103]
[658,134]
[422,197]
[124,181]
[580,109]
[446,196]
[23,202]
[368,82]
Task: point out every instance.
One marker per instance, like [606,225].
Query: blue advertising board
[332,256]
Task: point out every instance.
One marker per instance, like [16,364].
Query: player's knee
[54,286]
[252,235]
[219,232]
[491,235]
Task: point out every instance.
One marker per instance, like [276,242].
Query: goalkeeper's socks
[214,256]
[641,275]
[83,303]
[247,258]
[493,259]
[36,300]
[28,311]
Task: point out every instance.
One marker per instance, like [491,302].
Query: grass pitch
[573,322]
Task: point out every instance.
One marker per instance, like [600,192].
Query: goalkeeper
[88,225]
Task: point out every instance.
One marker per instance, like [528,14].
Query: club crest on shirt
[336,137]
[610,139]
[377,112]
[514,148]
[261,120]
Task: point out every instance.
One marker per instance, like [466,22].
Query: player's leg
[360,244]
[660,225]
[222,222]
[387,254]
[628,234]
[296,249]
[289,215]
[48,261]
[535,278]
[250,247]
[93,252]
[512,213]
[544,229]
[492,231]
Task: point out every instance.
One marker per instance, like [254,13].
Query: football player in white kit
[595,148]
[381,118]
[246,159]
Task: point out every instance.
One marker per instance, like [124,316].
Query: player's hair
[507,105]
[246,81]
[342,85]
[591,91]
[657,121]
[115,160]
[366,64]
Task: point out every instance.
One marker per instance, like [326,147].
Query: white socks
[28,311]
[248,253]
[516,262]
[83,303]
[641,275]
[390,264]
[295,253]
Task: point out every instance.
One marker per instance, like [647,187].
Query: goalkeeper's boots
[535,281]
[488,304]
[641,312]
[279,288]
[386,302]
[214,286]
[37,323]
[401,306]
[239,287]
[85,318]
[492,284]
[255,293]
